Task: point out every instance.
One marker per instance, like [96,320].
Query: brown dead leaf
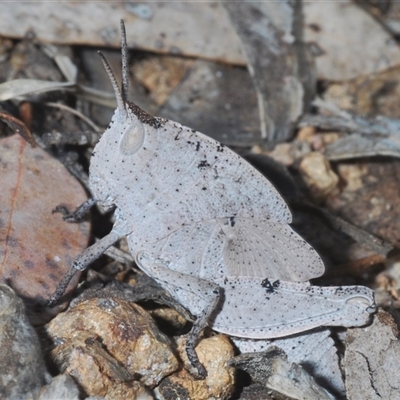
[36,246]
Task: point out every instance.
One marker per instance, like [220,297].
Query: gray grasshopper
[209,228]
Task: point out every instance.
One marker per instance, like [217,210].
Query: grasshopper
[209,228]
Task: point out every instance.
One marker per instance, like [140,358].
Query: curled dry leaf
[36,246]
[19,127]
[367,137]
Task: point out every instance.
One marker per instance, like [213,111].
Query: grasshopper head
[123,138]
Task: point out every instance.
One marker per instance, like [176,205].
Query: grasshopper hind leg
[200,296]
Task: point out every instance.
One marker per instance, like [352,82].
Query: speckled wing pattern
[269,250]
[235,247]
[263,309]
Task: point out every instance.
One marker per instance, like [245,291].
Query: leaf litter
[376,216]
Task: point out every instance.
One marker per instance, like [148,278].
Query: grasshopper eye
[133,139]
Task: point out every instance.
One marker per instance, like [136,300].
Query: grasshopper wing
[263,309]
[235,247]
[269,249]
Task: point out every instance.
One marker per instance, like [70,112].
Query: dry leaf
[346,40]
[281,67]
[22,87]
[208,98]
[372,360]
[36,246]
[192,29]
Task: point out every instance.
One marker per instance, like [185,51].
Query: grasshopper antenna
[114,83]
[125,70]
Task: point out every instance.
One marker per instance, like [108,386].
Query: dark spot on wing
[220,147]
[270,286]
[203,164]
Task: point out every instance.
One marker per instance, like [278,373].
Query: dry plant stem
[359,235]
[75,112]
[18,126]
[378,126]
